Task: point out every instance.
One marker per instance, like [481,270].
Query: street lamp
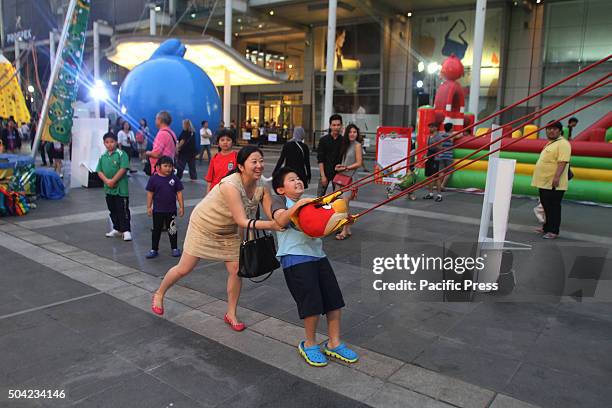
[432,67]
[98,91]
[30,89]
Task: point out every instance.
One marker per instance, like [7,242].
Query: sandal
[342,353]
[342,237]
[156,309]
[312,355]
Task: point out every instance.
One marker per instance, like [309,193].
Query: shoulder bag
[258,255]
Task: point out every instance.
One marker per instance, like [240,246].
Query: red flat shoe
[235,326]
[155,309]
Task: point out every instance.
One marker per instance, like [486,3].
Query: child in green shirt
[112,169]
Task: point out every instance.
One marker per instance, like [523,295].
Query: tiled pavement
[463,354]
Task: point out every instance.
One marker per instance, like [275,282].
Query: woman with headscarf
[295,154]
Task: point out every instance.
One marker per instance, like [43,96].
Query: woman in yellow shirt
[550,176]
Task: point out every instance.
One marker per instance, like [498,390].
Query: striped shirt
[448,155]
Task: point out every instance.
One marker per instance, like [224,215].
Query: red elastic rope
[454,134]
[437,174]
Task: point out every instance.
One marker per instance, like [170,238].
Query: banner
[58,123]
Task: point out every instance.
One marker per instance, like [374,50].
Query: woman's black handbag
[257,256]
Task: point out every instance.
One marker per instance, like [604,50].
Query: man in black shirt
[328,153]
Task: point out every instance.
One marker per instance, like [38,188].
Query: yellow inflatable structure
[12,102]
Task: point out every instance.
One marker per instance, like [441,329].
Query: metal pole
[17,61]
[54,72]
[152,20]
[1,26]
[331,55]
[96,63]
[51,47]
[227,86]
[479,26]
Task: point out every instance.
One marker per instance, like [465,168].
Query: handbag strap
[259,281]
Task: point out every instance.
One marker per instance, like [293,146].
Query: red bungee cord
[460,132]
[465,163]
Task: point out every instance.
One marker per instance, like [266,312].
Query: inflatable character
[169,82]
[323,216]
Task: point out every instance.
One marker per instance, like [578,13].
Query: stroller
[402,183]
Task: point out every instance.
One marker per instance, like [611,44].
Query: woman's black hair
[164,160]
[346,142]
[144,120]
[243,155]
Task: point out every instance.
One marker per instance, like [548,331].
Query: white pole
[152,20]
[227,86]
[479,26]
[51,47]
[96,63]
[17,61]
[331,55]
[54,72]
[172,8]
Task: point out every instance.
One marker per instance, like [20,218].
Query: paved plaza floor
[74,315]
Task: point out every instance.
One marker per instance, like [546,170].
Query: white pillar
[479,26]
[227,88]
[96,63]
[152,20]
[172,7]
[331,55]
[17,61]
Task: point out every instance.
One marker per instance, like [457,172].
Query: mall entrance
[277,113]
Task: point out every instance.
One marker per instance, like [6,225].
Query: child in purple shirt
[164,189]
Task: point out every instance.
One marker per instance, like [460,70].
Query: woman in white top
[126,138]
[205,140]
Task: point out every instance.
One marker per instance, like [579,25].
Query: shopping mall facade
[387,53]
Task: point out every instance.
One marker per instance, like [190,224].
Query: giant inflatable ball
[169,82]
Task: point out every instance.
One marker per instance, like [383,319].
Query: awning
[210,54]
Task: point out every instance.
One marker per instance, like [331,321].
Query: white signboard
[87,147]
[390,150]
[246,135]
[272,137]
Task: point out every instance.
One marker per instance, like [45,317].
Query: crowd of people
[236,191]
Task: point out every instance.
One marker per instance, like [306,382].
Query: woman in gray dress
[352,159]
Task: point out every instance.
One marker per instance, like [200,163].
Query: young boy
[164,189]
[222,162]
[112,168]
[308,273]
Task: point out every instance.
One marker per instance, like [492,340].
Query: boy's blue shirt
[295,247]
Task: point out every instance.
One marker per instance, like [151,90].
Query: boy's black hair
[109,135]
[278,178]
[164,160]
[573,119]
[448,127]
[225,133]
